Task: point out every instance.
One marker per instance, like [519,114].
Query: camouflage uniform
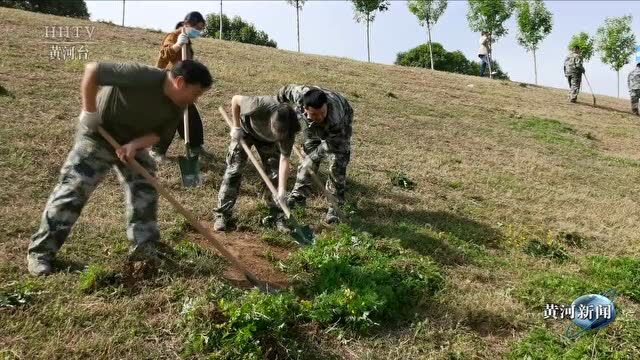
[255,121]
[236,161]
[87,164]
[332,137]
[131,103]
[573,70]
[634,88]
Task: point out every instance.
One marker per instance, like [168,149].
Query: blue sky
[328,28]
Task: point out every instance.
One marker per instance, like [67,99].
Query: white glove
[237,134]
[280,199]
[91,120]
[182,39]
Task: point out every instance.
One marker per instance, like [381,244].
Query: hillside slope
[497,166]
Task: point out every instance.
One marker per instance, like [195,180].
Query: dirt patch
[250,250]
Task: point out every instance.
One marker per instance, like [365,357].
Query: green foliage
[534,23]
[96,277]
[355,280]
[231,324]
[236,29]
[443,60]
[489,16]
[584,42]
[401,180]
[17,294]
[365,10]
[550,250]
[428,12]
[72,8]
[621,274]
[616,42]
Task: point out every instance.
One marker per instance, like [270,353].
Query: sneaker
[221,223]
[296,201]
[281,226]
[157,157]
[331,217]
[38,267]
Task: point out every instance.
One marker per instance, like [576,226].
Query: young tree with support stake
[534,24]
[366,10]
[428,13]
[615,42]
[298,5]
[489,16]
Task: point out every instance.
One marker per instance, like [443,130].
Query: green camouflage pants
[86,165]
[574,83]
[635,97]
[236,161]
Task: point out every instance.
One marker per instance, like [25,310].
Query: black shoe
[296,201]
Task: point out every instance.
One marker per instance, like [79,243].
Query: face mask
[193,33]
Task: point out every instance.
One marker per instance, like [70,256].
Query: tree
[489,16]
[453,61]
[534,24]
[366,10]
[236,29]
[298,4]
[584,42]
[616,43]
[72,8]
[428,12]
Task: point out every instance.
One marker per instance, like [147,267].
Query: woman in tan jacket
[170,54]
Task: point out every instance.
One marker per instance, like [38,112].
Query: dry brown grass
[477,168]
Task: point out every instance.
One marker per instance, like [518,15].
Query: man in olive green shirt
[136,105]
[271,127]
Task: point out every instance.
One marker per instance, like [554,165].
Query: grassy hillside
[521,199]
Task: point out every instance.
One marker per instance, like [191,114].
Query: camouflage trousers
[89,161]
[336,183]
[574,83]
[635,97]
[236,162]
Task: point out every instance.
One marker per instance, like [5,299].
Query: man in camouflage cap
[136,105]
[634,88]
[271,127]
[327,118]
[573,70]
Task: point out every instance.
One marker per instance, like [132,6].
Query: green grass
[490,167]
[617,341]
[621,274]
[551,132]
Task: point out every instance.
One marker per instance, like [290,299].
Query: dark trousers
[196,132]
[484,61]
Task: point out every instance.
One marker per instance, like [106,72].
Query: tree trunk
[298,23]
[430,50]
[490,56]
[618,79]
[220,19]
[368,51]
[535,66]
[123,12]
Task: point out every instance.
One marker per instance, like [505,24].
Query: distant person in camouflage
[327,118]
[573,70]
[634,88]
[271,127]
[136,105]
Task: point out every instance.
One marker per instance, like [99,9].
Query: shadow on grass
[450,239]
